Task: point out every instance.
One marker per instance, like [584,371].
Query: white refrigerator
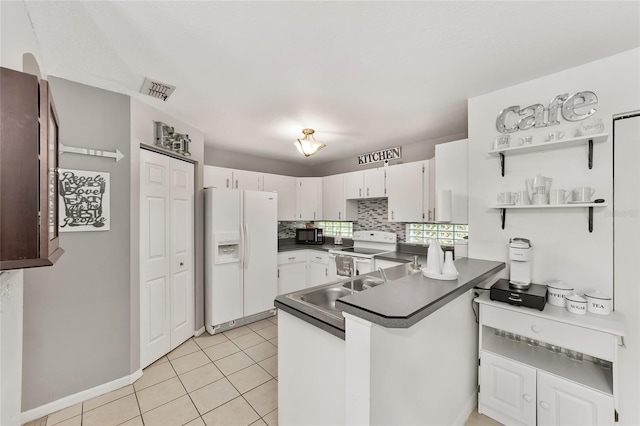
[241,248]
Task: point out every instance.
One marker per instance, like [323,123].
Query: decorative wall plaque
[513,118]
[382,155]
[84,201]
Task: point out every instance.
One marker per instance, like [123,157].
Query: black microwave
[309,236]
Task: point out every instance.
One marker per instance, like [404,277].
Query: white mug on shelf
[521,198]
[505,198]
[559,196]
[582,194]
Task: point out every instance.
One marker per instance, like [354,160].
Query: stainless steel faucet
[383,274]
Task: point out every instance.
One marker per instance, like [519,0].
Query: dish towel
[344,265]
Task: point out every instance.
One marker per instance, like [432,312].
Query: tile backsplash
[373,214]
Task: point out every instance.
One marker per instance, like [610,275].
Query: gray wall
[76,313]
[410,152]
[237,160]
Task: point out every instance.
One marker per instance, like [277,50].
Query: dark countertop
[404,302]
[399,303]
[322,247]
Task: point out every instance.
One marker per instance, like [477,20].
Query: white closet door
[155,328]
[181,251]
[166,254]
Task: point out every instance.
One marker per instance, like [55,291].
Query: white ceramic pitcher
[539,188]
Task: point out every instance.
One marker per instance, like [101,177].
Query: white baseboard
[199,331]
[467,409]
[68,401]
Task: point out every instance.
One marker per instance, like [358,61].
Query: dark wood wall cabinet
[28,172]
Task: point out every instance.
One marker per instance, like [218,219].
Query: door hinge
[478,361]
[423,168]
[478,388]
[615,415]
[278,273]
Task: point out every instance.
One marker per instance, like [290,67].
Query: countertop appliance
[520,266]
[241,248]
[366,245]
[535,296]
[309,236]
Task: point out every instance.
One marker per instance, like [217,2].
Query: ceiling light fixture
[308,145]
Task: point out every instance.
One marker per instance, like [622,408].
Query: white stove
[366,245]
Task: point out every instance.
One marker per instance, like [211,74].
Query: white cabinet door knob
[544,405]
[527,398]
[536,329]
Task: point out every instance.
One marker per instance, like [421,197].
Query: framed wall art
[84,201]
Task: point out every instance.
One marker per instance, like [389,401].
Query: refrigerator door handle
[243,243]
[248,245]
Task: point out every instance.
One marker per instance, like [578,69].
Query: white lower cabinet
[318,268]
[300,269]
[508,387]
[561,402]
[519,392]
[292,271]
[522,380]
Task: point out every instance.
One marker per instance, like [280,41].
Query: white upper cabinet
[405,192]
[244,179]
[452,173]
[374,183]
[365,184]
[353,185]
[308,198]
[218,177]
[429,190]
[333,200]
[221,177]
[285,186]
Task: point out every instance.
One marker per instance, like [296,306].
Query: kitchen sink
[363,283]
[322,299]
[325,297]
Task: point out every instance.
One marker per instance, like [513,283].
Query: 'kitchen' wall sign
[382,155]
[512,119]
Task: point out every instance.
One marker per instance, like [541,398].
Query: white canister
[576,304]
[598,303]
[556,293]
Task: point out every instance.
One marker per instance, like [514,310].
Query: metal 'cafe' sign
[382,155]
[514,118]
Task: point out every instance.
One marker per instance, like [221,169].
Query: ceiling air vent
[157,89]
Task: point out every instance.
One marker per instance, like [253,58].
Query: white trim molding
[68,401]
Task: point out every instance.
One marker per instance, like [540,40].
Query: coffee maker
[518,290]
[521,261]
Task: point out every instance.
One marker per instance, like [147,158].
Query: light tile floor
[224,379]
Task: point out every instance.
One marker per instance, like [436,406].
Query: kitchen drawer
[588,341]
[292,257]
[318,257]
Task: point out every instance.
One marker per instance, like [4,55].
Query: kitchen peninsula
[400,343]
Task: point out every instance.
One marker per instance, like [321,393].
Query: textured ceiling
[364,75]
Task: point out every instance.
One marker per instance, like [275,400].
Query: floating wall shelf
[545,146]
[590,206]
